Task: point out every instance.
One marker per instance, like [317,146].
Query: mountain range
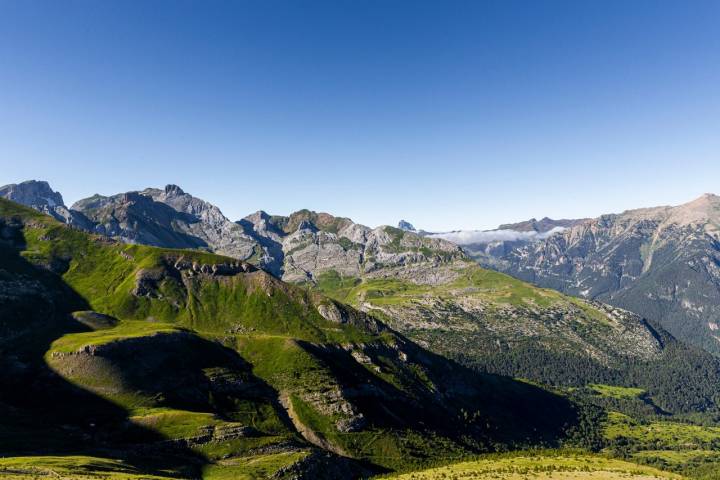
[418,283]
[176,343]
[662,263]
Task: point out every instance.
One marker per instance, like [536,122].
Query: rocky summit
[169,218]
[403,225]
[39,195]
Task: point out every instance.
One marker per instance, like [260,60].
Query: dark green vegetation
[643,396]
[691,449]
[624,423]
[148,361]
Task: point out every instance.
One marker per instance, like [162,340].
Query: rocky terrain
[169,218]
[662,263]
[294,247]
[306,244]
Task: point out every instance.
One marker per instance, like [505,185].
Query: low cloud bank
[467,237]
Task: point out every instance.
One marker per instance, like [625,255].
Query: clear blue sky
[449,114]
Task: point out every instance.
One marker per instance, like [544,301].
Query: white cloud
[466,237]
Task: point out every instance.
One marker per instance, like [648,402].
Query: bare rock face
[221,235]
[308,244]
[167,218]
[39,195]
[662,263]
[33,193]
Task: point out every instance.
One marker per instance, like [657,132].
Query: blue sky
[450,114]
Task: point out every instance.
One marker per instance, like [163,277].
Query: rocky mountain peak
[543,225]
[167,217]
[33,193]
[407,226]
[700,211]
[258,216]
[38,195]
[171,189]
[321,220]
[705,207]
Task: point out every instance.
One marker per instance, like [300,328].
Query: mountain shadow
[483,412]
[43,413]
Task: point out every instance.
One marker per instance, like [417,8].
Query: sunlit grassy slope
[561,466]
[75,467]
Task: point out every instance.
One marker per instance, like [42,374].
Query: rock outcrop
[311,244]
[296,248]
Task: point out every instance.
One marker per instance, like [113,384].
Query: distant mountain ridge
[294,247]
[661,262]
[543,225]
[169,218]
[486,246]
[308,243]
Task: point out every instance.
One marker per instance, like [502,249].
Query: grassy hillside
[186,364]
[692,449]
[496,323]
[541,465]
